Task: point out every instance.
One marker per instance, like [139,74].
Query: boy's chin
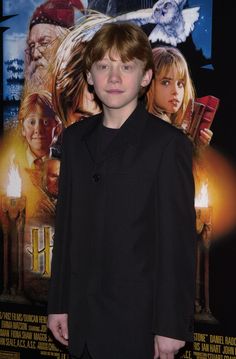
[40,149]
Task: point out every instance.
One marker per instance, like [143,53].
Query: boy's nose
[114,75]
[38,127]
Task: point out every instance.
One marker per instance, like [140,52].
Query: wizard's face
[42,44]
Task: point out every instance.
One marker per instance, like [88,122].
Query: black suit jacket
[123,257]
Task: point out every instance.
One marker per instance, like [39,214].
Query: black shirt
[105,137]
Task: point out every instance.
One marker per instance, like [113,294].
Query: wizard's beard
[37,75]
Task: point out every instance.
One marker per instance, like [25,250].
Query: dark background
[221,83]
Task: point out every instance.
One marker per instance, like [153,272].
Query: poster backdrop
[35,51]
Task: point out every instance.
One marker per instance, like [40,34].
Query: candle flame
[201,200]
[14,184]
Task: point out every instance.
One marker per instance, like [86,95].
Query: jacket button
[96,177]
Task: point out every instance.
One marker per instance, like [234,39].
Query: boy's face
[169,91]
[51,176]
[117,84]
[39,131]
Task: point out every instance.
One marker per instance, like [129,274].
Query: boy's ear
[89,96]
[147,78]
[89,78]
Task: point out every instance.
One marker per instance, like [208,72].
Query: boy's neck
[115,118]
[40,154]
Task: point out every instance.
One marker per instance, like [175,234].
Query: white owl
[173,23]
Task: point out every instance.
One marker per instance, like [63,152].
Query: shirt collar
[30,157]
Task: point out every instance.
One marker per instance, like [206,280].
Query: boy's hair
[127,39]
[165,58]
[43,100]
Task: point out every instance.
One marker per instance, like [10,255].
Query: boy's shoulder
[158,126]
[79,129]
[160,134]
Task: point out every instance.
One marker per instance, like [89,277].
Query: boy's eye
[102,66]
[127,67]
[30,121]
[45,122]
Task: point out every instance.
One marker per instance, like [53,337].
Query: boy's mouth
[38,138]
[115,91]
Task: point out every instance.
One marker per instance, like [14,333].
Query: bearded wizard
[49,24]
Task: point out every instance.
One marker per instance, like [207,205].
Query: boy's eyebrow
[107,57]
[41,118]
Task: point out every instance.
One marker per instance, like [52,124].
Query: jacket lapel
[90,138]
[129,133]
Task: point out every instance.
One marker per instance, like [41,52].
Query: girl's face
[169,91]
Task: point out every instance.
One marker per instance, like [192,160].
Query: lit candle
[13,222]
[203,210]
[204,229]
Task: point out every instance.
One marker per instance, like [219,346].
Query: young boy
[122,282]
[40,127]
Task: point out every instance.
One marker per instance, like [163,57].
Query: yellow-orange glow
[220,175]
[201,200]
[14,184]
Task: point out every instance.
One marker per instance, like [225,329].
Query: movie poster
[39,39]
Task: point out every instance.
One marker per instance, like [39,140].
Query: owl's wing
[190,16]
[95,21]
[158,34]
[89,25]
[89,33]
[139,17]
